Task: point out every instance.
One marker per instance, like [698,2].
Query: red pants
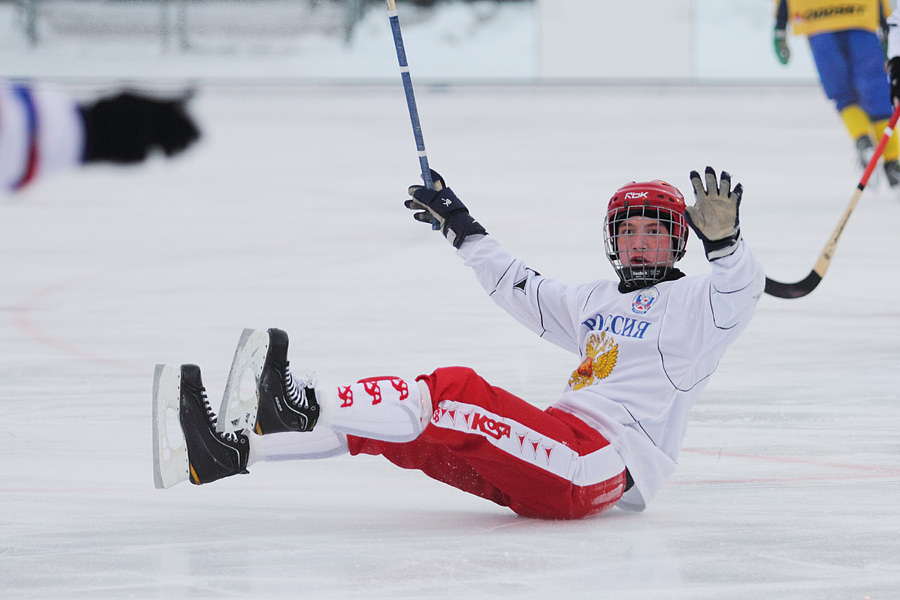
[487,442]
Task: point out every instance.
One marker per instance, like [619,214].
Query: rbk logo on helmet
[636,195]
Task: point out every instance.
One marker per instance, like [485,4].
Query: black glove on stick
[443,206]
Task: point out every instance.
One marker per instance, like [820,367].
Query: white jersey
[644,355]
[40,131]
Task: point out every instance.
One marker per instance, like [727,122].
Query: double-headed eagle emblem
[602,353]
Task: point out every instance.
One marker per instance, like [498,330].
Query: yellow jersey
[809,17]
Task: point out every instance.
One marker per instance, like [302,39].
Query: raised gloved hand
[442,205]
[126,127]
[714,217]
[781,47]
[893,69]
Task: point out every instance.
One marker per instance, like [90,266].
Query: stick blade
[793,290]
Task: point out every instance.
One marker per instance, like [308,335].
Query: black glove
[714,217]
[124,128]
[893,68]
[442,205]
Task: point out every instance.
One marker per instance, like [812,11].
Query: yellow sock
[892,150]
[857,121]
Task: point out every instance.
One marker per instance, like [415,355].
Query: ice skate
[261,394]
[204,455]
[865,148]
[892,174]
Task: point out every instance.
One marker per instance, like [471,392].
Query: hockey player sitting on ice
[43,130]
[646,346]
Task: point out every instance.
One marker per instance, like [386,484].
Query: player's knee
[454,378]
[453,383]
[455,373]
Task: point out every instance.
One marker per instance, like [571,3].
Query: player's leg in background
[490,443]
[873,91]
[832,55]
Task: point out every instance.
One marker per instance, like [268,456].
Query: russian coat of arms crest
[602,353]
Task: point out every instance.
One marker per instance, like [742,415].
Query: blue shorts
[851,69]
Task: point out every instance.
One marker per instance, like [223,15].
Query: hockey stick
[809,283]
[410,98]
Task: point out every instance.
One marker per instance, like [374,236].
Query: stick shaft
[828,251]
[410,94]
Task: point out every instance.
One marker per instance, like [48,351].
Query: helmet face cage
[655,200]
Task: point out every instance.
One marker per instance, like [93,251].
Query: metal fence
[182,24]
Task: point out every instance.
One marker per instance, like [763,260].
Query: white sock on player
[321,442]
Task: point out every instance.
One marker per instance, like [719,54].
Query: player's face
[644,241]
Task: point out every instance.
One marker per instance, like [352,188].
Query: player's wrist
[716,249]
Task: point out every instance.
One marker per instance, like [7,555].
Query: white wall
[667,39]
[606,38]
[549,40]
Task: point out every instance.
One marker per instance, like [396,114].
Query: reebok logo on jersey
[520,284]
[636,195]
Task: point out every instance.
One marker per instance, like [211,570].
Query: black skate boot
[892,173]
[283,404]
[211,455]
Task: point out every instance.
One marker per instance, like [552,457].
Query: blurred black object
[126,127]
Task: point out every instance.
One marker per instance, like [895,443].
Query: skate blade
[241,398]
[170,462]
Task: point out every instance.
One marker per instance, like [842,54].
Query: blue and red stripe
[31,120]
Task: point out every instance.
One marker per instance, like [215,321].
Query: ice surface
[289,214]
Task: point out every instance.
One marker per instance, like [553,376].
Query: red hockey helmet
[651,199]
